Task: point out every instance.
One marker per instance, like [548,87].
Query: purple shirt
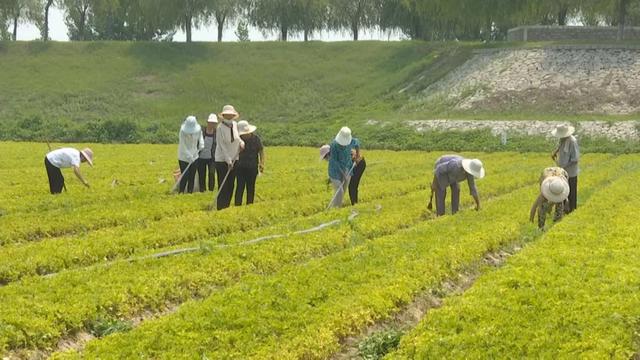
[448,170]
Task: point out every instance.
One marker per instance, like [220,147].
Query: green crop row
[574,294]
[49,217]
[304,310]
[39,311]
[100,289]
[54,255]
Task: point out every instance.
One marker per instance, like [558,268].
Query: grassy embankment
[296,93]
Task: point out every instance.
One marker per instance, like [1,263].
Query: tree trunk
[220,20]
[562,16]
[306,35]
[355,30]
[15,28]
[187,27]
[622,14]
[83,22]
[284,33]
[45,31]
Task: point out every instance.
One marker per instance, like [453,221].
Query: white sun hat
[229,110]
[344,136]
[191,126]
[473,167]
[88,154]
[213,119]
[563,131]
[555,189]
[245,128]
[324,151]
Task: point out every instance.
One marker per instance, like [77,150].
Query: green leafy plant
[379,344]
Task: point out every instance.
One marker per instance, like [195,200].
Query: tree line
[417,19]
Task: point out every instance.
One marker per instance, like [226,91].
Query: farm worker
[567,156]
[62,159]
[554,190]
[358,170]
[324,152]
[449,171]
[206,159]
[189,146]
[341,164]
[228,146]
[250,162]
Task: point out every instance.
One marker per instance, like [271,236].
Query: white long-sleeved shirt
[64,158]
[189,146]
[228,146]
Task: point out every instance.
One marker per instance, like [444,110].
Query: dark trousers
[442,194]
[225,192]
[572,201]
[56,180]
[188,178]
[246,180]
[203,166]
[355,181]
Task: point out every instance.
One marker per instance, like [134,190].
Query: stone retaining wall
[552,33]
[561,80]
[621,130]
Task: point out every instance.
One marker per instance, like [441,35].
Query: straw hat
[555,189]
[245,128]
[213,119]
[473,167]
[324,151]
[344,136]
[229,110]
[563,131]
[191,126]
[88,154]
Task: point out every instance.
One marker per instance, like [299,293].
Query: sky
[58,32]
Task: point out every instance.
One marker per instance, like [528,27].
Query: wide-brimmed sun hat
[191,126]
[213,119]
[473,167]
[555,189]
[344,136]
[245,128]
[563,131]
[88,154]
[324,151]
[229,110]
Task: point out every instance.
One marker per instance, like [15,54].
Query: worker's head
[229,113]
[555,189]
[190,126]
[344,136]
[325,150]
[86,155]
[212,122]
[563,131]
[246,130]
[473,167]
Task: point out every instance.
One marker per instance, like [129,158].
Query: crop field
[127,270]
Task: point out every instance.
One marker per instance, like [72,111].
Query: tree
[77,14]
[312,16]
[242,31]
[14,12]
[189,13]
[613,12]
[224,11]
[132,19]
[275,15]
[353,15]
